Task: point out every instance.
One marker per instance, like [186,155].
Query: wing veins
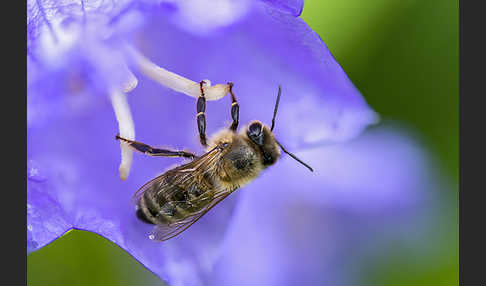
[183,225]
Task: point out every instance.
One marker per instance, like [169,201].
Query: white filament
[126,128]
[175,81]
[130,82]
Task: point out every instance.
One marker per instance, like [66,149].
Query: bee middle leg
[201,117]
[235,108]
[148,150]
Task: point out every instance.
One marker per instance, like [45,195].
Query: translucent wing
[180,174]
[154,183]
[165,232]
[172,180]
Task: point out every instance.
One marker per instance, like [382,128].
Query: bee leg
[148,150]
[201,117]
[235,108]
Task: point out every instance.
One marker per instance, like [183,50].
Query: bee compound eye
[225,144]
[255,129]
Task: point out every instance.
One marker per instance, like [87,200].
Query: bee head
[261,135]
[255,132]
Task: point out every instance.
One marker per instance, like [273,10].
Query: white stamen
[130,82]
[175,81]
[126,128]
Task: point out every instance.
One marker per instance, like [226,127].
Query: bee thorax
[239,166]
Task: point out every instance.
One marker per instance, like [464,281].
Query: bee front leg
[148,150]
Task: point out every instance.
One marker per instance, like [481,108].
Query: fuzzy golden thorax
[244,154]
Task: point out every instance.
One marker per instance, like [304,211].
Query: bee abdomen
[146,209]
[173,211]
[162,211]
[173,203]
[142,216]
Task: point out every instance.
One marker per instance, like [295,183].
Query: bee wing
[150,184]
[165,232]
[179,174]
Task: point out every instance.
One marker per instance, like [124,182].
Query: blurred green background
[403,57]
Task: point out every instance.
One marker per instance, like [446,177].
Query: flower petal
[293,227]
[203,17]
[46,218]
[294,7]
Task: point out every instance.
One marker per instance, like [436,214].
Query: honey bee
[179,197]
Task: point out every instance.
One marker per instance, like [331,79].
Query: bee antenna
[276,107]
[293,156]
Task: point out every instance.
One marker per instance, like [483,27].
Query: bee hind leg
[148,150]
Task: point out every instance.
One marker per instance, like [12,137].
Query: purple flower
[97,68]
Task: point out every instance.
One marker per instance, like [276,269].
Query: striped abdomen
[174,197]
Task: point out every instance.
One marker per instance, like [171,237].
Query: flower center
[166,78]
